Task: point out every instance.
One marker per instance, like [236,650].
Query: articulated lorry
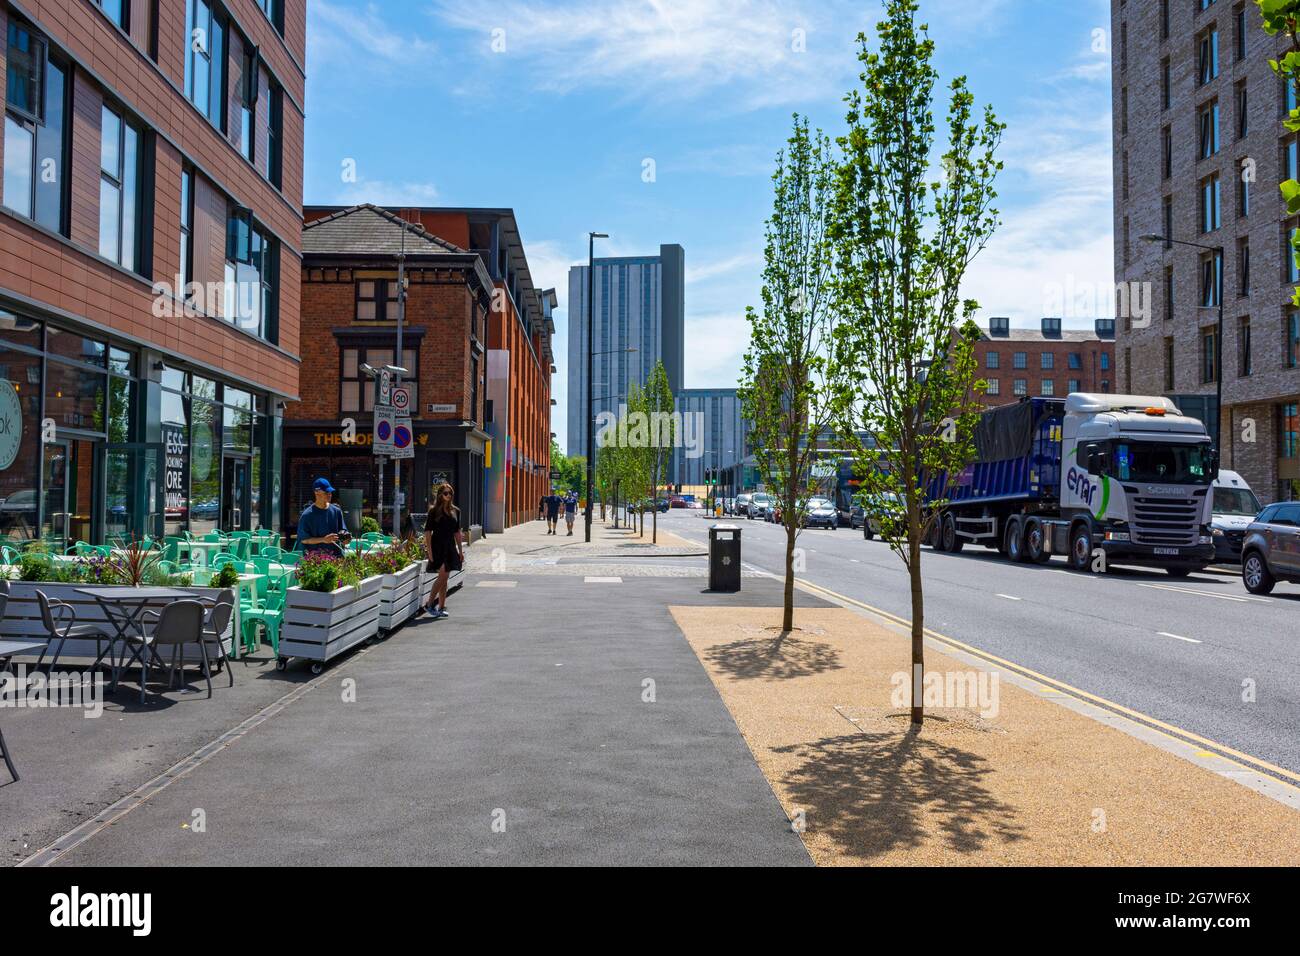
[1101,479]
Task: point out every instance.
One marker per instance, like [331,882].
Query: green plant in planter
[34,566]
[227,577]
[318,572]
[389,560]
[135,563]
[369,524]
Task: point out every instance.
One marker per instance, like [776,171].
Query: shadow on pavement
[779,656]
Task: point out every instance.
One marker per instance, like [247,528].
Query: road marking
[1173,732]
[1222,597]
[1010,597]
[496,584]
[598,580]
[1178,637]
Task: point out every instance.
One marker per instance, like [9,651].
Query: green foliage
[663,432]
[369,525]
[572,469]
[34,566]
[227,577]
[1282,18]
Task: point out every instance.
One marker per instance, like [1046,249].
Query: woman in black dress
[443,544]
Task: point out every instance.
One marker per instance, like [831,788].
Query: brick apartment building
[1199,148]
[1047,361]
[150,204]
[477,333]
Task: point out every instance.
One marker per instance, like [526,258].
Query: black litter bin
[724,557]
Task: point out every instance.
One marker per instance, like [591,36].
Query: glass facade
[94,448]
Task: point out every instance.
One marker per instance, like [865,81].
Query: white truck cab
[1235,507]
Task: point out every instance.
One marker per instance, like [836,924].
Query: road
[1182,651]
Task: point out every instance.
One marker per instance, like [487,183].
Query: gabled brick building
[1047,361]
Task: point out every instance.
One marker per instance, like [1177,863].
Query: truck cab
[1136,482]
[1235,507]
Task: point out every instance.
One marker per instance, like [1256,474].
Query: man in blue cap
[321,527]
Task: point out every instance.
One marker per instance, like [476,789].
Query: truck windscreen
[1162,463]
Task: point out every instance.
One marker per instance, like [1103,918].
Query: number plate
[1173,551]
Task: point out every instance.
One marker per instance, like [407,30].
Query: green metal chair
[269,613]
[10,555]
[221,560]
[241,544]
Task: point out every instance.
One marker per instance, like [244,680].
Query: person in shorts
[553,505]
[570,511]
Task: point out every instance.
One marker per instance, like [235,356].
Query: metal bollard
[724,557]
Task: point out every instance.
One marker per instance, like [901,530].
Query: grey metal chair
[58,630]
[4,596]
[220,612]
[177,624]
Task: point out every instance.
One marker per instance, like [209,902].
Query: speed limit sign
[385,387]
[401,399]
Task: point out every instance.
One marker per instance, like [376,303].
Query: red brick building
[151,203]
[477,335]
[1047,361]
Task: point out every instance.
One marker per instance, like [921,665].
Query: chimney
[999,327]
[1105,328]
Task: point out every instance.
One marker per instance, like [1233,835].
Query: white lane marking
[1221,597]
[1010,597]
[596,580]
[855,560]
[1178,637]
[496,584]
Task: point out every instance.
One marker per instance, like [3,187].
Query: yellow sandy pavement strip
[1034,783]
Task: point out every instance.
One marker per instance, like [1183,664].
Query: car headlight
[1209,539]
[1216,532]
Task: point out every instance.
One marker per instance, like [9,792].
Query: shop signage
[11,424]
[385,422]
[174,472]
[440,409]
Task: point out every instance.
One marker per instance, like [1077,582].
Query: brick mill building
[150,226]
[1048,361]
[477,335]
[1199,148]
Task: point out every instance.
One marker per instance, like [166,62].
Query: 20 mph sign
[401,400]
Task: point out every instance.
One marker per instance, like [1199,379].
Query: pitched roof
[1036,335]
[370,230]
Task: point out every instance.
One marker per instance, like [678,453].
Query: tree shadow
[873,793]
[780,657]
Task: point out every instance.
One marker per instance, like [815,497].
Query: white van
[1235,507]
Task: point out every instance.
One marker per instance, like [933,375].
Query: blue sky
[553,109]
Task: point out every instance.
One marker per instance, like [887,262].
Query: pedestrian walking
[541,507]
[321,528]
[553,505]
[570,510]
[443,546]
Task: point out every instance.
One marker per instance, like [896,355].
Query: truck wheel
[1015,541]
[1256,575]
[1080,548]
[866,531]
[935,539]
[1036,542]
[951,542]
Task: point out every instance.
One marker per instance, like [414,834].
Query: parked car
[728,506]
[760,504]
[1271,550]
[821,513]
[676,501]
[1235,506]
[871,512]
[740,505]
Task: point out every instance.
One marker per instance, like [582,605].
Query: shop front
[444,451]
[104,441]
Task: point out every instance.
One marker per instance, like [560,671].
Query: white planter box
[399,597]
[318,626]
[22,617]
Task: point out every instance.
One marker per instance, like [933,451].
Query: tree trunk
[918,619]
[787,614]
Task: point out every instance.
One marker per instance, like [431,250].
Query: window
[187,232]
[1020,386]
[1075,360]
[1020,360]
[992,360]
[1244,361]
[1047,360]
[1047,388]
[1243,110]
[1291,340]
[1288,254]
[1167,213]
[1288,97]
[1169,292]
[1209,127]
[357,392]
[1291,159]
[274,10]
[1208,356]
[116,10]
[1211,280]
[1169,364]
[205,61]
[1207,56]
[1164,19]
[1243,197]
[275,137]
[35,144]
[1243,267]
[252,273]
[1239,17]
[1051,326]
[1166,153]
[248,105]
[1123,47]
[377,300]
[1105,361]
[1166,85]
[994,387]
[1289,430]
[1074,385]
[119,189]
[1210,218]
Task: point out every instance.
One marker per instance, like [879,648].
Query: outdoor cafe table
[123,607]
[7,650]
[208,549]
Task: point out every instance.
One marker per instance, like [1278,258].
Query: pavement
[1199,653]
[557,719]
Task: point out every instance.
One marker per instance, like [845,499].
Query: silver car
[1271,549]
[759,505]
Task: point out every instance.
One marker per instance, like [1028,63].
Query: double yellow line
[1214,748]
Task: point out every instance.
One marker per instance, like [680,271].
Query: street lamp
[591,372]
[1218,334]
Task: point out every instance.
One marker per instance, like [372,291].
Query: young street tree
[904,236]
[663,433]
[791,370]
[1282,17]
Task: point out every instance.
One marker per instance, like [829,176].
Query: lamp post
[1218,334]
[591,372]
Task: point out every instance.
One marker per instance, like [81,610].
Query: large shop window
[35,143]
[205,60]
[252,260]
[119,190]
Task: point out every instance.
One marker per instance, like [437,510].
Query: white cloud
[357,39]
[385,193]
[751,261]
